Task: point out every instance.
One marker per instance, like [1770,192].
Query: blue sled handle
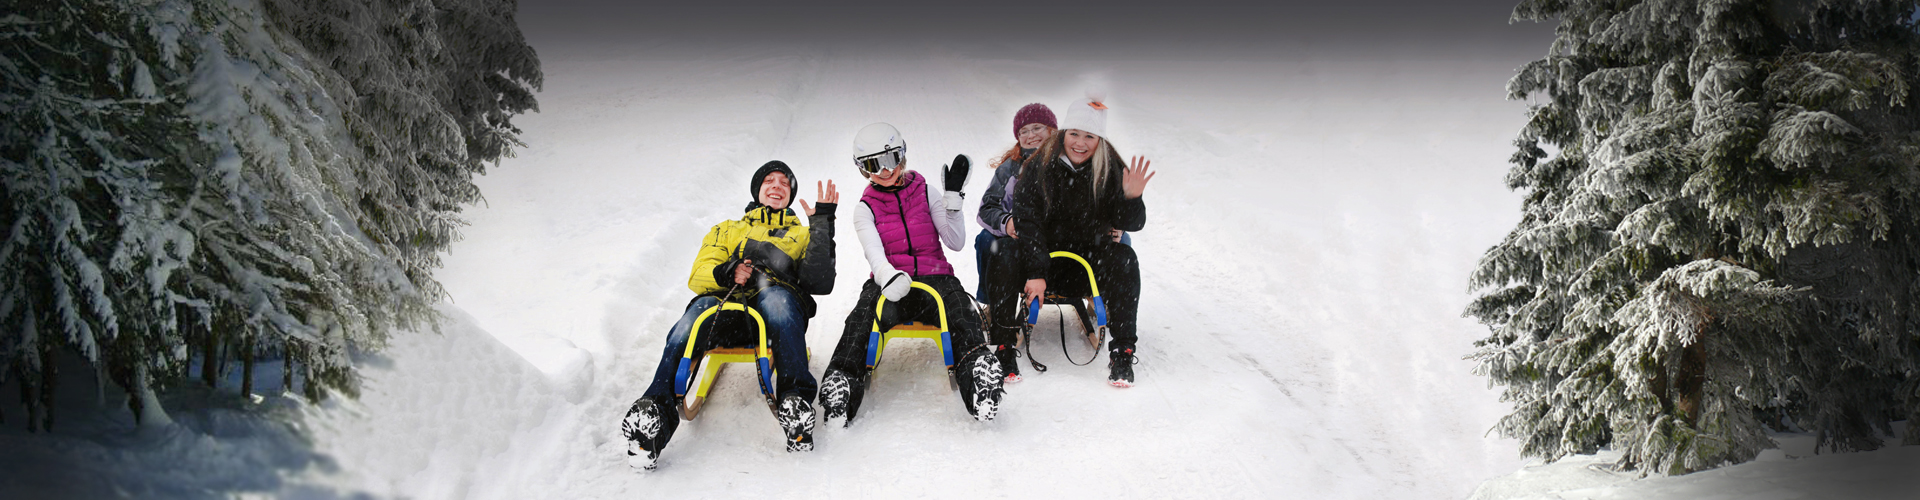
[946,347]
[1099,311]
[680,377]
[766,375]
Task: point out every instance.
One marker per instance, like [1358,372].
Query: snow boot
[1009,362]
[840,395]
[983,386]
[833,394]
[796,419]
[1120,367]
[648,426]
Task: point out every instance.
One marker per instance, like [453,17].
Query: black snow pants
[1114,265]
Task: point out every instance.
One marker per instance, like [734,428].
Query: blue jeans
[982,246]
[786,337]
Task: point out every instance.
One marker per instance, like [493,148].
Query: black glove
[723,273]
[956,175]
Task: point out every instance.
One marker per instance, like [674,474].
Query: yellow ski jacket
[782,250]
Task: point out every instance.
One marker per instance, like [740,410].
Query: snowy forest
[207,183]
[1720,236]
[1653,249]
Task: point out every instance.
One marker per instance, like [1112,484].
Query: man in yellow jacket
[767,261]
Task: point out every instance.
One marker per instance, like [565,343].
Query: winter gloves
[895,286]
[955,176]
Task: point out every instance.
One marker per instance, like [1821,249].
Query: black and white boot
[1009,362]
[834,390]
[1120,367]
[840,395]
[795,415]
[648,426]
[983,400]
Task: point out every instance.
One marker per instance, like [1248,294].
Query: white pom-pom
[1097,94]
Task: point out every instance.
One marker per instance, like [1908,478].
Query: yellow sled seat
[759,355]
[941,334]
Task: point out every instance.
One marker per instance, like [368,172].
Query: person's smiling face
[1080,145]
[1033,134]
[776,190]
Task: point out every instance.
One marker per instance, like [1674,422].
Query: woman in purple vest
[902,220]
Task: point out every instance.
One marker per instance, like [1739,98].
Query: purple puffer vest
[906,228]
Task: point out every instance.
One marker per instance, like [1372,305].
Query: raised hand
[955,175]
[1137,175]
[827,194]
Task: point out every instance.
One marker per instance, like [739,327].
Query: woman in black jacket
[1072,194]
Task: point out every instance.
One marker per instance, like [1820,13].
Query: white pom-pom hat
[1088,114]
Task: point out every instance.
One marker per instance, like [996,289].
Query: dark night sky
[1390,28]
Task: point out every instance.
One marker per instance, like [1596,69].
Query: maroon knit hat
[1033,113]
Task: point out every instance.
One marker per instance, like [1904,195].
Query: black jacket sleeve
[1127,215]
[993,209]
[1029,217]
[817,267]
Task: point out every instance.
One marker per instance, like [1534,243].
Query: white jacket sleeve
[870,243]
[950,222]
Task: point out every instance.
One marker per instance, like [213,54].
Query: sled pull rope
[763,355]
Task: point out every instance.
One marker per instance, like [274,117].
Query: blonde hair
[1103,161]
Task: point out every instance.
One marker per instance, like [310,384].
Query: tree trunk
[49,375]
[246,368]
[26,391]
[286,369]
[209,353]
[1692,380]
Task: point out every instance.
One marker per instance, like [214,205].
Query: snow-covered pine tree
[430,90]
[91,240]
[1720,231]
[187,174]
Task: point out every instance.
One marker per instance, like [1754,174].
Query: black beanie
[761,176]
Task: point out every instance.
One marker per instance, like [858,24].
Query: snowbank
[1789,472]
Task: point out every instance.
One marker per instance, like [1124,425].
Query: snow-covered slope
[1304,262]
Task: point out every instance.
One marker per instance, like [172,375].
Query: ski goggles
[887,159]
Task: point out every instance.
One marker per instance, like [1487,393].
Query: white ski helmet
[878,147]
